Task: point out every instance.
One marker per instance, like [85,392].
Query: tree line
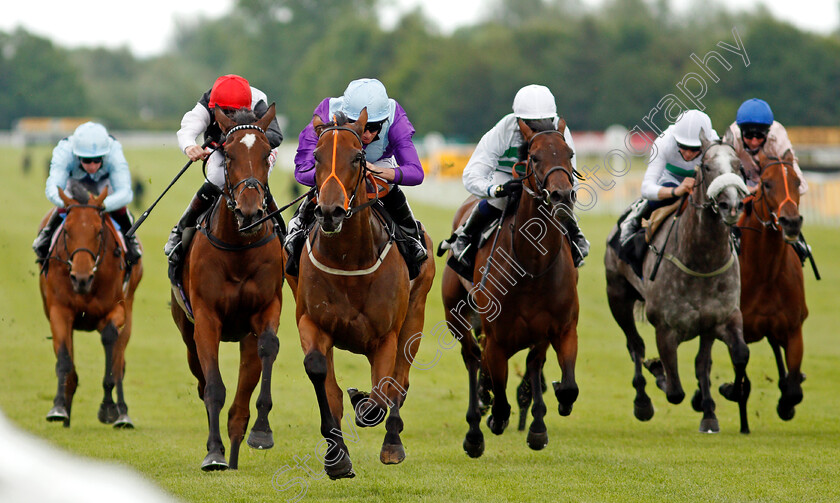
[607,66]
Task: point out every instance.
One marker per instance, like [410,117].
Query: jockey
[90,155]
[230,92]
[670,171]
[488,172]
[390,154]
[755,130]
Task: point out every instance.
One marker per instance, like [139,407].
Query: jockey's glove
[509,187]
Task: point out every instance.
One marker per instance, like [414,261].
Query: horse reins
[349,209]
[775,215]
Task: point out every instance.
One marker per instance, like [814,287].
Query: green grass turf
[599,453]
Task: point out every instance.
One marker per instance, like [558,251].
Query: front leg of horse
[207,337]
[261,435]
[65,371]
[497,368]
[666,342]
[703,397]
[474,441]
[123,420]
[537,433]
[337,462]
[739,391]
[790,382]
[566,390]
[108,409]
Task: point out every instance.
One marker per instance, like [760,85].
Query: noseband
[541,194]
[246,183]
[718,184]
[774,215]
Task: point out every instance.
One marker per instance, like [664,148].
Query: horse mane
[244,116]
[536,126]
[80,191]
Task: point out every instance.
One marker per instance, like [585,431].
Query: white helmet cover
[687,128]
[534,102]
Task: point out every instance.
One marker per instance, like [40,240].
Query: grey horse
[696,291]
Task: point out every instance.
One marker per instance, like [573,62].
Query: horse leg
[316,346]
[666,342]
[702,369]
[268,343]
[791,385]
[566,390]
[496,364]
[108,409]
[739,391]
[123,420]
[621,301]
[240,413]
[61,325]
[207,337]
[387,392]
[537,433]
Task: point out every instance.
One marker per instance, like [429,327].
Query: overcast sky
[148,25]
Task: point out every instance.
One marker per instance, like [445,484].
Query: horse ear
[267,118]
[762,159]
[318,125]
[561,126]
[64,197]
[729,138]
[225,122]
[527,132]
[97,200]
[788,156]
[359,125]
[705,142]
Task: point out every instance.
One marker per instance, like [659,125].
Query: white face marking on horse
[249,140]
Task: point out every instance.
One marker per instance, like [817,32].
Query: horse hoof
[643,409]
[697,401]
[785,413]
[709,426]
[392,454]
[124,422]
[675,398]
[341,469]
[537,441]
[260,439]
[727,390]
[497,427]
[214,461]
[58,413]
[108,413]
[564,409]
[474,449]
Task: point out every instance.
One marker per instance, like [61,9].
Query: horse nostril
[740,206]
[724,206]
[339,213]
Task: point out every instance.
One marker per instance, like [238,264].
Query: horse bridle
[349,209]
[773,223]
[97,257]
[247,183]
[712,201]
[541,194]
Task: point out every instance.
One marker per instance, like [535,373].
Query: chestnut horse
[84,287]
[353,293]
[772,282]
[696,292]
[232,280]
[529,298]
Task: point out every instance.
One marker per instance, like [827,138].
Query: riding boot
[296,236]
[580,245]
[125,221]
[633,222]
[397,206]
[200,203]
[474,224]
[41,245]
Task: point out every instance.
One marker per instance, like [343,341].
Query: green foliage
[598,453]
[607,65]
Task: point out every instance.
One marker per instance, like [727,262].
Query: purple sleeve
[307,140]
[410,171]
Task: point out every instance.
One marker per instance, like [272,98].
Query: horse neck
[358,243]
[704,239]
[762,244]
[529,253]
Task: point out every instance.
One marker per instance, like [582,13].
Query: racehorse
[353,293]
[697,291]
[529,297]
[84,287]
[772,283]
[232,283]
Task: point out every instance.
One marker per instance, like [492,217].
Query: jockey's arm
[120,178]
[60,165]
[193,123]
[478,173]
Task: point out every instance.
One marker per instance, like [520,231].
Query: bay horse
[696,292]
[84,287]
[353,293]
[772,282]
[529,298]
[231,284]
